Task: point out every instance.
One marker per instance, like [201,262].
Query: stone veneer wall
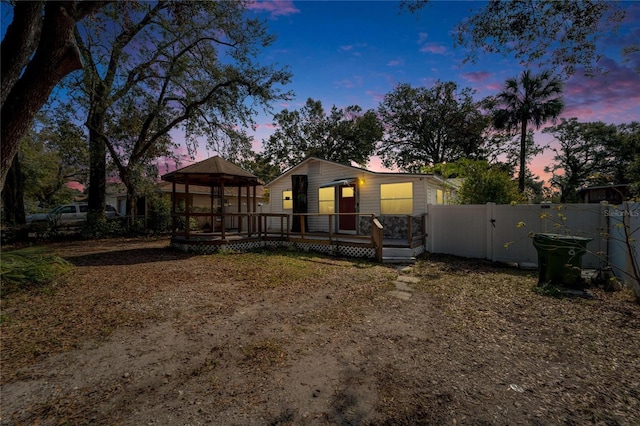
[395,227]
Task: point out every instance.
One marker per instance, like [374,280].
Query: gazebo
[223,219]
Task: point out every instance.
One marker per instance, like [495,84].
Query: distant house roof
[356,170]
[212,171]
[615,194]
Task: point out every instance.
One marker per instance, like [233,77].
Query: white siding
[320,172]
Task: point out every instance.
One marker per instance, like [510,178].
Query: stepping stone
[407,279]
[405,269]
[402,286]
[400,294]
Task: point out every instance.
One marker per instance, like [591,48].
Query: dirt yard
[139,334]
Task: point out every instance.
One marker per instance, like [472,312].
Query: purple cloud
[275,8]
[435,48]
[395,63]
[346,83]
[477,76]
[353,48]
[378,97]
[612,98]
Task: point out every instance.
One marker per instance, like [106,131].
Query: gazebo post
[211,211]
[222,209]
[239,209]
[253,222]
[187,206]
[173,208]
[249,228]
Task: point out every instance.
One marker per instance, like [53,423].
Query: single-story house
[318,188]
[613,194]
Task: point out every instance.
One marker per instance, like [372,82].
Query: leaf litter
[138,333]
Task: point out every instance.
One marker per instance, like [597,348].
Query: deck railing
[369,230]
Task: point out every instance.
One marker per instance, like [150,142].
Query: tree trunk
[56,56]
[13,195]
[523,155]
[97,169]
[132,198]
[19,43]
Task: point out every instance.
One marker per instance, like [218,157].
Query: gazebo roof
[212,171]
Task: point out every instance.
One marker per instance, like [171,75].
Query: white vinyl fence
[501,232]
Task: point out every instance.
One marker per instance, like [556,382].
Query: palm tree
[534,99]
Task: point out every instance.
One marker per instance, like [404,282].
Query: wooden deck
[256,233]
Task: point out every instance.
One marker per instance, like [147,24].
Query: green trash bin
[560,258]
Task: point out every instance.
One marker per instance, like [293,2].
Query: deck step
[398,260]
[397,255]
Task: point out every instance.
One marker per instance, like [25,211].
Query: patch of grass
[547,289]
[30,267]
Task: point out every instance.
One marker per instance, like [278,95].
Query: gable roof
[354,171]
[229,191]
[213,170]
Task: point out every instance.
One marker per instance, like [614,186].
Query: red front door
[347,204]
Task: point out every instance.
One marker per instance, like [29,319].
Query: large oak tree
[161,67]
[426,126]
[344,135]
[561,35]
[582,156]
[38,50]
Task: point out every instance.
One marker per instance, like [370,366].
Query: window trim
[287,204]
[331,202]
[382,200]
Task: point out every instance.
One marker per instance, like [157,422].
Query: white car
[67,214]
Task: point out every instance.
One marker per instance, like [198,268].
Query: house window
[347,192]
[287,200]
[396,198]
[326,200]
[439,196]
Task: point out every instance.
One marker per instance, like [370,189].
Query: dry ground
[139,334]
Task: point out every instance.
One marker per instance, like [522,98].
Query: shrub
[159,220]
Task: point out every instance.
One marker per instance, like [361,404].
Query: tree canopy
[581,156]
[550,34]
[344,135]
[426,126]
[487,183]
[53,154]
[531,99]
[156,68]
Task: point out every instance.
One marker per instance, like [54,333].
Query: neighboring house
[333,188]
[613,194]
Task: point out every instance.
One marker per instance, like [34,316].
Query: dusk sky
[354,52]
[346,53]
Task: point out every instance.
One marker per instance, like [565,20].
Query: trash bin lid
[547,241]
[544,236]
